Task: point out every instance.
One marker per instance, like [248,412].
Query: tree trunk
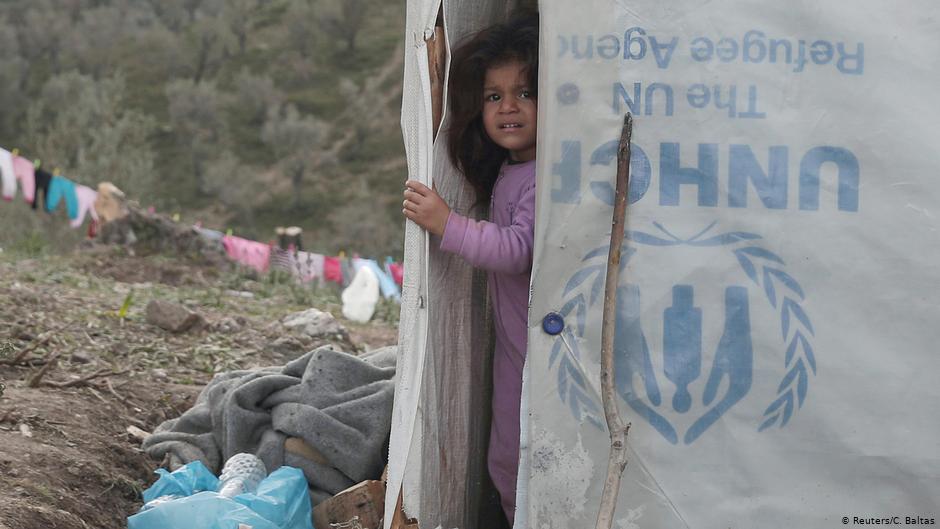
[202,60]
[297,180]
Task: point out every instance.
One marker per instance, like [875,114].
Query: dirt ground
[79,366]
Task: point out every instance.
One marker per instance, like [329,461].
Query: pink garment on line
[86,204]
[26,174]
[503,247]
[255,254]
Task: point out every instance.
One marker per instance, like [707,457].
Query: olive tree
[295,140]
[83,126]
[196,117]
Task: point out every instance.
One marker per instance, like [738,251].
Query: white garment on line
[7,175]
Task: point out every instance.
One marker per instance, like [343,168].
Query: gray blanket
[339,404]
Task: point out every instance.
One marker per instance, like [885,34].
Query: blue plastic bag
[281,502]
[184,481]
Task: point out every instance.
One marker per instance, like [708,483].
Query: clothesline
[307,266]
[17,172]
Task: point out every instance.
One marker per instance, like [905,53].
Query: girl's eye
[491,97]
[525,94]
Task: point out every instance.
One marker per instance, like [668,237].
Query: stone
[80,357]
[173,317]
[145,233]
[227,325]
[288,346]
[315,323]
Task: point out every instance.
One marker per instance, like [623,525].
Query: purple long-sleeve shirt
[503,247]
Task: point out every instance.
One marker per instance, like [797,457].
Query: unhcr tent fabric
[777,316]
[441,417]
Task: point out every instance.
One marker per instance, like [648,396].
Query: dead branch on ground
[42,340]
[105,372]
[50,361]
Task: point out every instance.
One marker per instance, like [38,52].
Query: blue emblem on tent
[728,378]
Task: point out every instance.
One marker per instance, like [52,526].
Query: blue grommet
[568,94]
[553,323]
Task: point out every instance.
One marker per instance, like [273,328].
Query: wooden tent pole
[615,424]
[437,50]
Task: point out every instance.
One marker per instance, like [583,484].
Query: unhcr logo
[668,383]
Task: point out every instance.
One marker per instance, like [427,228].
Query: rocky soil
[99,347]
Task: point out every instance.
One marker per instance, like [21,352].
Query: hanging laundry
[294,236]
[310,266]
[212,235]
[43,179]
[283,260]
[333,270]
[7,175]
[86,197]
[59,188]
[396,270]
[26,174]
[348,270]
[386,283]
[253,254]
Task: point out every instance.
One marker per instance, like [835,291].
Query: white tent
[777,316]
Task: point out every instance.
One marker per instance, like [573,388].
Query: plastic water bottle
[241,474]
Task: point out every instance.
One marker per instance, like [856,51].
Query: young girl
[491,141]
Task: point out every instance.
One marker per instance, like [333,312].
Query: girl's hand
[425,207]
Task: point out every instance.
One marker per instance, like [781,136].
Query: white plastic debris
[361,295]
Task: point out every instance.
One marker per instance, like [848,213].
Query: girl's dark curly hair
[471,150]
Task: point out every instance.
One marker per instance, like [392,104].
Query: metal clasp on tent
[420,302]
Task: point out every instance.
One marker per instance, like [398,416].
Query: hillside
[80,364]
[242,114]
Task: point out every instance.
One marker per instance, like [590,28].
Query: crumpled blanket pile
[340,405]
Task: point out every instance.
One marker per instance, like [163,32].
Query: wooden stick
[117,395]
[96,394]
[45,337]
[615,424]
[37,378]
[105,372]
[437,51]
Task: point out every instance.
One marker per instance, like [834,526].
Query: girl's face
[510,113]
